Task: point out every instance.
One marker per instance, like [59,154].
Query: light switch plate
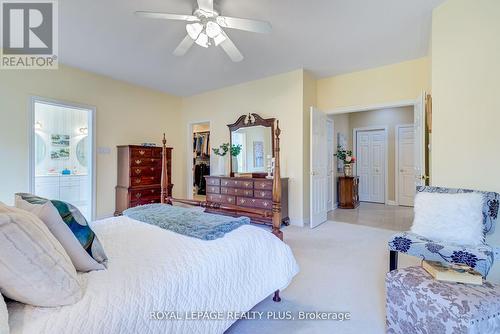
[104,150]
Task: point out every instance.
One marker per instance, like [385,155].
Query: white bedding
[151,269]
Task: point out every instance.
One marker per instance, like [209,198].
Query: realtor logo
[29,34]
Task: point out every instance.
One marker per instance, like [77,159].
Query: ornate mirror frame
[247,121]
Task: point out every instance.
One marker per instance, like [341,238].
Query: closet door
[371,155]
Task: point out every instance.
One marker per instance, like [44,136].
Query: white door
[331,161]
[419,120]
[318,168]
[371,156]
[406,165]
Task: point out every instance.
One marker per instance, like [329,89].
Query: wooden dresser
[139,176]
[348,192]
[248,193]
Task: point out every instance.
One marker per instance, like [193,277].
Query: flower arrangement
[234,150]
[345,155]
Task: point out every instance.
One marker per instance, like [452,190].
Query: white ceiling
[327,37]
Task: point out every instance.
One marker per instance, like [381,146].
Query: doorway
[199,160]
[62,153]
[371,167]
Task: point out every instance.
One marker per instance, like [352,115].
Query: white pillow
[4,317]
[34,268]
[452,218]
[48,213]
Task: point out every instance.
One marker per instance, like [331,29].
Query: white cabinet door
[406,165]
[371,160]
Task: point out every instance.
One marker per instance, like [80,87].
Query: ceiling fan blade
[184,46]
[231,49]
[167,16]
[244,24]
[207,5]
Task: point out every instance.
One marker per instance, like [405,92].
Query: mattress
[155,274]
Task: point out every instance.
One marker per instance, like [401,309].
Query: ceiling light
[194,30]
[219,39]
[213,29]
[202,40]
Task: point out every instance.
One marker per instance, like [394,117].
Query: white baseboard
[393,203]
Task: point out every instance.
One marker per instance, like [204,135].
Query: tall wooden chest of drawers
[139,176]
[248,193]
[348,187]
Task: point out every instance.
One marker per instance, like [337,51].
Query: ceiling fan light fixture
[213,29]
[202,40]
[194,30]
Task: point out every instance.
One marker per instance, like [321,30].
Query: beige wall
[280,97]
[466,97]
[126,114]
[386,84]
[310,94]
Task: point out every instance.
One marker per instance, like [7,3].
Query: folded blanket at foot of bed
[189,222]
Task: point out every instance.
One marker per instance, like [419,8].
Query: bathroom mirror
[81,151]
[40,149]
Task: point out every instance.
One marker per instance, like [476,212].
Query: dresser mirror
[254,135]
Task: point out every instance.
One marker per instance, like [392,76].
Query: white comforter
[151,269]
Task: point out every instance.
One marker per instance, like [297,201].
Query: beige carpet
[342,269]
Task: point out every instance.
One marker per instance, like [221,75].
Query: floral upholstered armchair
[479,257]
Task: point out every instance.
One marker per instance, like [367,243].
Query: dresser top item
[142,147]
[349,177]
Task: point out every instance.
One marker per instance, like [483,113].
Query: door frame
[386,153]
[396,158]
[91,133]
[189,155]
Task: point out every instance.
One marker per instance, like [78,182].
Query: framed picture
[59,140]
[60,154]
[258,154]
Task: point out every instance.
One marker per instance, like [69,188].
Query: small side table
[348,192]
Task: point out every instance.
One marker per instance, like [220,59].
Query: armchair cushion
[490,206]
[478,257]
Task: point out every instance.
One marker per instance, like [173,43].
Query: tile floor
[395,218]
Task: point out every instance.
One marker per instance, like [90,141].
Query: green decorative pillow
[77,224]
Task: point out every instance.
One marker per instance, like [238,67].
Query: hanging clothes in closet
[201,161]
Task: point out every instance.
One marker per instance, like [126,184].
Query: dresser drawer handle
[138,180]
[138,195]
[152,177]
[152,169]
[153,191]
[138,162]
[247,184]
[253,201]
[266,204]
[263,185]
[262,194]
[138,171]
[229,200]
[141,152]
[235,191]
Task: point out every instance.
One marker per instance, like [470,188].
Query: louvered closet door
[371,148]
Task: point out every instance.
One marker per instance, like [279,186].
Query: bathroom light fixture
[38,125]
[83,131]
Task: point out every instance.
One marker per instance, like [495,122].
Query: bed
[159,281]
[155,270]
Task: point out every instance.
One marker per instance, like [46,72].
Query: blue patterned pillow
[76,222]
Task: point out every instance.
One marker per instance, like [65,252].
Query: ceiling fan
[205,25]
